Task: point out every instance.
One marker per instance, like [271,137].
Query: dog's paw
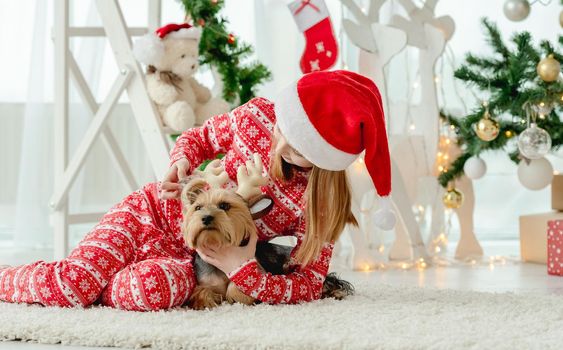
[234,295]
[203,298]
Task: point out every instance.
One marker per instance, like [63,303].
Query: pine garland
[222,50]
[510,77]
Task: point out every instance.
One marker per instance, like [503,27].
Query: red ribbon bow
[304,3]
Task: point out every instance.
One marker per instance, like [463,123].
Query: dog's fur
[214,216]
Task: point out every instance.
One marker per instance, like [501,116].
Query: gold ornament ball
[487,129]
[548,69]
[453,198]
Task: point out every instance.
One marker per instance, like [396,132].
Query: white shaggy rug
[378,317]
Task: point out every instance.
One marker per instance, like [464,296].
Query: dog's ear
[192,189]
[259,206]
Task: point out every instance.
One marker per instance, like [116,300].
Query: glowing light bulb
[412,127]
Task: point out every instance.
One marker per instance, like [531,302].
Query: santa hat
[331,117]
[149,49]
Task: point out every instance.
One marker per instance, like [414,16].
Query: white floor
[512,276]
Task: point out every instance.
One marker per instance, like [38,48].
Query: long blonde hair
[328,204]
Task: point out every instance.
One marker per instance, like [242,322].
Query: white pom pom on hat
[149,49]
[331,117]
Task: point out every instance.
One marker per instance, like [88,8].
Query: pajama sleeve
[205,142]
[303,283]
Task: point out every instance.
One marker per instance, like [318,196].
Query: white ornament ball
[534,142]
[475,168]
[516,10]
[535,175]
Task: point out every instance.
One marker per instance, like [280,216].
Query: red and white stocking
[321,49]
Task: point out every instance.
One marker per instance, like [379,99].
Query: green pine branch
[511,80]
[240,78]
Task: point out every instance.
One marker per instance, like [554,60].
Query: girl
[135,258]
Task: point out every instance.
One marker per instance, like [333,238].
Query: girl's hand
[170,186]
[229,258]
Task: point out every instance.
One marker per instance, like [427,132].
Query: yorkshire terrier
[217,216]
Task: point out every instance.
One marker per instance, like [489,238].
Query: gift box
[555,247]
[557,192]
[533,236]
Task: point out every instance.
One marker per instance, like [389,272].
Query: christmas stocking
[321,49]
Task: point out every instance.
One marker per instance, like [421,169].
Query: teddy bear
[171,56]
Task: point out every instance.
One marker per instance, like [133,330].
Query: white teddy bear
[171,55]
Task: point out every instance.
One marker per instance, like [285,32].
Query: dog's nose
[207,219]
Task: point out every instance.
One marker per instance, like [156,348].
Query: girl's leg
[150,285]
[79,279]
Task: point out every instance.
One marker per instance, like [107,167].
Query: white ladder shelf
[131,79]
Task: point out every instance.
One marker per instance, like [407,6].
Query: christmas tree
[522,82]
[220,49]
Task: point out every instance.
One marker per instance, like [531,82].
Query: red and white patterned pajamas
[135,257]
[130,259]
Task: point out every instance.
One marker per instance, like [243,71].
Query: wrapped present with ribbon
[555,247]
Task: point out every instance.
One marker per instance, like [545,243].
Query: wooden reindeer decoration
[430,34]
[378,44]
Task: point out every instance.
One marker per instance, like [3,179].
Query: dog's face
[214,216]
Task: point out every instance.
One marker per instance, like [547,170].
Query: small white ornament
[534,142]
[475,168]
[535,175]
[516,10]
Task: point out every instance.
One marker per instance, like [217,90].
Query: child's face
[287,152]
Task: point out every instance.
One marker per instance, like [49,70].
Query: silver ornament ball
[516,10]
[534,142]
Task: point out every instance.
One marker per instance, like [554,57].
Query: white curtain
[27,135]
[35,183]
[96,188]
